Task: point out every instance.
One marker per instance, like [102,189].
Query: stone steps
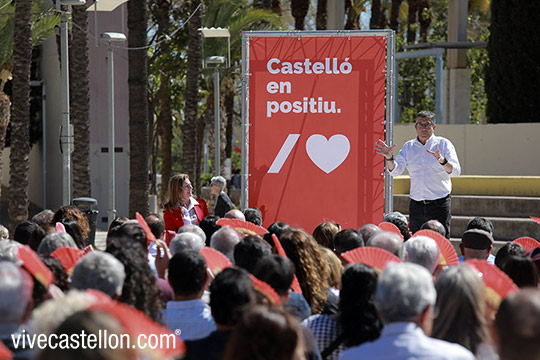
[509,214]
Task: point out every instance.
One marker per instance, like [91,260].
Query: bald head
[518,325]
[368,231]
[235,214]
[434,225]
[390,242]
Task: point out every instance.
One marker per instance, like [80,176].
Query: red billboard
[316,108]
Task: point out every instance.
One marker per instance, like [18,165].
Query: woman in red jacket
[182,208]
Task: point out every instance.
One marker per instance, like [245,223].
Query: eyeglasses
[424,125]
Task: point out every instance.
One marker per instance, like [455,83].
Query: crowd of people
[312,303]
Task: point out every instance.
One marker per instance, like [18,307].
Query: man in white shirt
[431,161]
[405,298]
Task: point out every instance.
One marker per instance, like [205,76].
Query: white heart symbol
[328,154]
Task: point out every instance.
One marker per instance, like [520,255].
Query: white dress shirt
[429,179]
[405,341]
[188,214]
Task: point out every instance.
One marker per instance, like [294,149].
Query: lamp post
[216,61]
[66,135]
[111,37]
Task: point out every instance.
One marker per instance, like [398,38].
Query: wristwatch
[444,161]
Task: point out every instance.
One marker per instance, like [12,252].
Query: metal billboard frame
[389,103]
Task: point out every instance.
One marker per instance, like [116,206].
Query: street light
[66,135]
[111,37]
[216,61]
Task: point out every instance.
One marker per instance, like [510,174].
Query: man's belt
[427,202]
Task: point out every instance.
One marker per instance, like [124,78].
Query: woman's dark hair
[140,289]
[129,231]
[37,235]
[60,275]
[522,270]
[117,222]
[506,251]
[358,315]
[231,293]
[209,226]
[72,228]
[264,333]
[23,231]
[277,228]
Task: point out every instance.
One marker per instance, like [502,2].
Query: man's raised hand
[384,150]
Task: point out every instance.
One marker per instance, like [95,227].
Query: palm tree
[394,14]
[22,56]
[299,10]
[138,108]
[189,129]
[79,102]
[376,16]
[43,23]
[321,14]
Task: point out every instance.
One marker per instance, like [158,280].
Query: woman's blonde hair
[176,185]
[334,265]
[311,269]
[461,308]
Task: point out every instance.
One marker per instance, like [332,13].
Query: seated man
[278,272]
[100,271]
[231,293]
[249,251]
[188,313]
[224,240]
[390,242]
[405,298]
[518,326]
[477,244]
[434,225]
[423,251]
[15,308]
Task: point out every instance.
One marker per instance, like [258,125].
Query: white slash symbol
[283,154]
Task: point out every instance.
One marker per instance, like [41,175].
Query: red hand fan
[88,249]
[389,227]
[215,260]
[295,286]
[537,219]
[265,289]
[136,323]
[68,257]
[375,257]
[448,253]
[498,284]
[31,262]
[243,226]
[5,354]
[149,235]
[527,242]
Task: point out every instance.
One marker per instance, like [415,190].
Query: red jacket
[174,220]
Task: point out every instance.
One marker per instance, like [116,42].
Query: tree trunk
[322,14]
[394,15]
[424,18]
[189,133]
[79,103]
[411,25]
[299,10]
[20,115]
[166,136]
[4,121]
[353,16]
[375,21]
[138,109]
